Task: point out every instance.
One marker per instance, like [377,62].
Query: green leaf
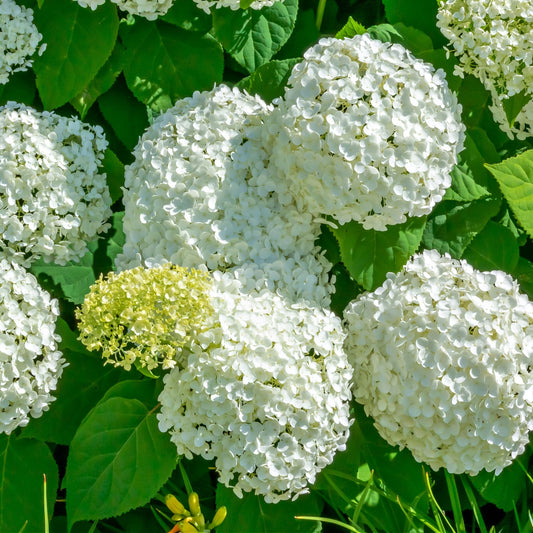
[144,390]
[464,187]
[20,88]
[369,255]
[505,489]
[74,278]
[118,460]
[494,248]
[253,36]
[103,81]
[186,15]
[453,225]
[350,29]
[513,105]
[515,177]
[126,115]
[78,43]
[22,465]
[269,80]
[118,238]
[81,386]
[165,63]
[251,514]
[384,32]
[414,40]
[114,169]
[304,35]
[421,14]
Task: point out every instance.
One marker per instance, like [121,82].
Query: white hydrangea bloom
[19,38]
[206,5]
[443,359]
[493,41]
[30,363]
[366,132]
[266,393]
[149,9]
[52,198]
[199,193]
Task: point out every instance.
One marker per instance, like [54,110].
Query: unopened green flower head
[145,315]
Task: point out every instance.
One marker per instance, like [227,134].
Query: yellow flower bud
[194,504]
[187,527]
[176,507]
[219,517]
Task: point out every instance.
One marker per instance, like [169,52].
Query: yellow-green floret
[146,316]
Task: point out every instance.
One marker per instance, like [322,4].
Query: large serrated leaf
[118,460]
[252,36]
[453,225]
[82,385]
[494,248]
[369,255]
[421,14]
[74,278]
[464,187]
[503,490]
[101,83]
[187,15]
[165,63]
[125,114]
[269,80]
[78,43]
[251,514]
[22,465]
[515,177]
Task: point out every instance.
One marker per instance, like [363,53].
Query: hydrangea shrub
[447,370]
[30,362]
[366,132]
[53,197]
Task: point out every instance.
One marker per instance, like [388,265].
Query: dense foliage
[85,80]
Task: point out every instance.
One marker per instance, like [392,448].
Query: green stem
[320,13]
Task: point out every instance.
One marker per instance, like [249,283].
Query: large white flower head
[366,132]
[19,38]
[52,198]
[443,359]
[145,316]
[266,393]
[30,363]
[493,41]
[199,193]
[206,5]
[148,9]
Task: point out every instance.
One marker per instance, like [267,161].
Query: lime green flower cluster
[145,316]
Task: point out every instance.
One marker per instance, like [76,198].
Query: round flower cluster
[443,356]
[200,193]
[19,38]
[145,316]
[265,393]
[492,41]
[149,9]
[30,363]
[366,132]
[206,5]
[52,198]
